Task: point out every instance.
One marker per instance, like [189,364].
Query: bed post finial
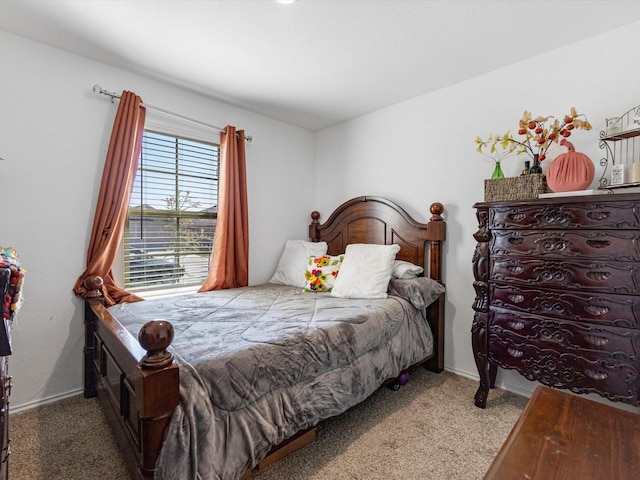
[93,284]
[313,228]
[436,210]
[155,337]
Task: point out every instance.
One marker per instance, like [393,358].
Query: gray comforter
[258,364]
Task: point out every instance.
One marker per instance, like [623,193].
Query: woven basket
[524,187]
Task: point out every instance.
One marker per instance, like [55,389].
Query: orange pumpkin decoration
[570,170]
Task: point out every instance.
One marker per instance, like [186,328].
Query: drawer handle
[554,244]
[516,298]
[596,310]
[516,269]
[595,375]
[553,275]
[552,216]
[516,240]
[598,215]
[595,340]
[517,216]
[598,243]
[548,306]
[514,352]
[516,325]
[598,276]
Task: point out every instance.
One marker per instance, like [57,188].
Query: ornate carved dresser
[557,285]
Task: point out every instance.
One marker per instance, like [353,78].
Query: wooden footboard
[137,379]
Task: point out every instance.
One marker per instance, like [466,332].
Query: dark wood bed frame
[137,381]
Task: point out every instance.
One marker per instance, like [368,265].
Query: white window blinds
[172,213]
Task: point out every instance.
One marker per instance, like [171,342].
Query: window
[172,213]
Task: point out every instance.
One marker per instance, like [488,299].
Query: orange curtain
[229,267]
[118,176]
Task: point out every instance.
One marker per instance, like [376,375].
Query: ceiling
[313,63]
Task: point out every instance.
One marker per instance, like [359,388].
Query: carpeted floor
[428,430]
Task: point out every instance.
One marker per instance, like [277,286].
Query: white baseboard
[43,401]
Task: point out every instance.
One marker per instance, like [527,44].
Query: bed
[214,384]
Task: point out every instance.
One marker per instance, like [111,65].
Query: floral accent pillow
[322,272]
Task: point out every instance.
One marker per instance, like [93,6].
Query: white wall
[423,150]
[54,132]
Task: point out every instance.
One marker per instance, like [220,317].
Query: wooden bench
[563,436]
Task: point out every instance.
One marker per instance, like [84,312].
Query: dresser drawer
[591,244]
[580,372]
[608,309]
[610,277]
[598,214]
[566,336]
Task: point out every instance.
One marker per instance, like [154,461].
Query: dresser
[557,294]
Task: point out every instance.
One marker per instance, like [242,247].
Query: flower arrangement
[497,147]
[538,137]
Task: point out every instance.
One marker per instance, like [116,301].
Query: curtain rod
[102,91]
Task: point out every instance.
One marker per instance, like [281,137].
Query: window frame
[191,135]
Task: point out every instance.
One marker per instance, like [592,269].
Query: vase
[497,171]
[570,171]
[535,168]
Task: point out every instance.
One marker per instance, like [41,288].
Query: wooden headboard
[380,221]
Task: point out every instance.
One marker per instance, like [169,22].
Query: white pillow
[365,271]
[402,269]
[293,262]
